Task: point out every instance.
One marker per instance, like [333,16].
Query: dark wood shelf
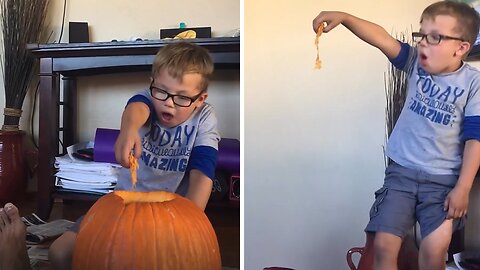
[74,59]
[74,195]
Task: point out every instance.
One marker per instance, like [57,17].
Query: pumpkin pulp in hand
[133,168]
[318,63]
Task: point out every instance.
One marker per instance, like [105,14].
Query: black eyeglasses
[432,39]
[179,100]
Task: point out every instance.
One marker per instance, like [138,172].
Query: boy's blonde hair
[468,19]
[182,58]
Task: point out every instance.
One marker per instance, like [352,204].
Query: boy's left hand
[456,202]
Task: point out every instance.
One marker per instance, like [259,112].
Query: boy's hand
[133,118]
[456,202]
[126,141]
[367,31]
[331,18]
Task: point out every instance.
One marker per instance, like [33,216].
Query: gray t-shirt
[428,133]
[166,151]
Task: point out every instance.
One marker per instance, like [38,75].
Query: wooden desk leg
[69,111]
[48,135]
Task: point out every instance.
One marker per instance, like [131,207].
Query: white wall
[313,138]
[102,98]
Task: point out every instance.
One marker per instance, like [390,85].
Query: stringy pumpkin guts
[133,168]
[318,63]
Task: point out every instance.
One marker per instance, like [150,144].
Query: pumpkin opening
[146,197]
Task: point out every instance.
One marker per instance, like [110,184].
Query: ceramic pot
[13,169]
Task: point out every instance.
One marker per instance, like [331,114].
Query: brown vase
[366,255]
[13,169]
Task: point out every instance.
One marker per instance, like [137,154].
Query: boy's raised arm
[133,118]
[369,32]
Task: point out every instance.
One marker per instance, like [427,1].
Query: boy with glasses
[171,129]
[434,147]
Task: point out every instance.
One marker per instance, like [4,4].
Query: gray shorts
[76,226]
[409,196]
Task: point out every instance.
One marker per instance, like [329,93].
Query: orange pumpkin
[146,230]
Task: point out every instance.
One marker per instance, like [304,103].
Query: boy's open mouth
[423,59]
[166,116]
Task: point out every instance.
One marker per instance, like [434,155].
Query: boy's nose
[423,42]
[169,102]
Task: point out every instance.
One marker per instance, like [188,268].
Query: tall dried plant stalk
[22,23]
[395,93]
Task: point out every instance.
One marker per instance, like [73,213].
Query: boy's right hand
[126,141]
[369,32]
[331,18]
[133,118]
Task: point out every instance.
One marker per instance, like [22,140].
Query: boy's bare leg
[434,247]
[60,253]
[387,247]
[13,249]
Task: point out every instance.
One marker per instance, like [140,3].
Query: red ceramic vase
[13,169]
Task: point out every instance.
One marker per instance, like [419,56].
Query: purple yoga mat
[229,155]
[228,150]
[104,141]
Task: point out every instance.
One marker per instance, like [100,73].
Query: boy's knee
[387,246]
[433,255]
[60,252]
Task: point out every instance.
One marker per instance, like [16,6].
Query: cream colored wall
[313,138]
[102,98]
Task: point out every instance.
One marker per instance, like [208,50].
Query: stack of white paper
[84,176]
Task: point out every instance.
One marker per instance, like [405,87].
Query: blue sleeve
[146,101]
[471,128]
[401,59]
[204,159]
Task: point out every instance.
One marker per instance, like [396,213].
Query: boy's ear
[200,100]
[463,50]
[203,97]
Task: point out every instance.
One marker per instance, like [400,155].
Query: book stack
[84,176]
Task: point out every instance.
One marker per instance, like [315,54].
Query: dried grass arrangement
[21,23]
[395,93]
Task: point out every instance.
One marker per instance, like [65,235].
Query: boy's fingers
[137,147]
[453,213]
[450,213]
[137,151]
[315,26]
[328,27]
[316,22]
